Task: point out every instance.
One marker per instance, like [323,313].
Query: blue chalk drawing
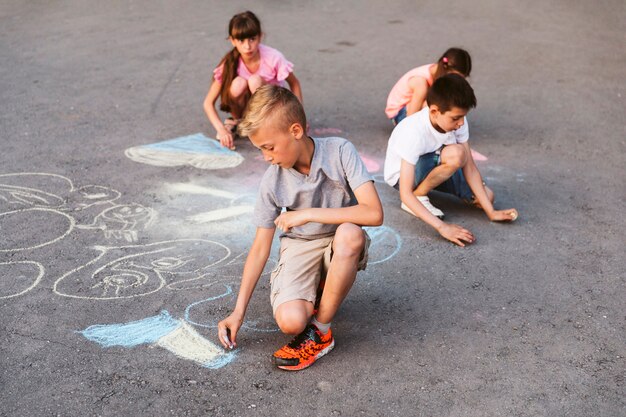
[228,290]
[174,335]
[384,239]
[193,150]
[134,333]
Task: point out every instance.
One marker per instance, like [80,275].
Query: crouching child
[430,150]
[328,196]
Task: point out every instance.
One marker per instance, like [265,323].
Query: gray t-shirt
[336,170]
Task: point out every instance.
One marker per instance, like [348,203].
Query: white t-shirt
[413,137]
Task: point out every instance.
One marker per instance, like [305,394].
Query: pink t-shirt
[400,94]
[274,67]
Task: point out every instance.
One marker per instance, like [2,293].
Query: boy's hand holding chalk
[227,331]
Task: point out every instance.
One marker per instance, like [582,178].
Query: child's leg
[347,248]
[453,158]
[293,316]
[238,87]
[240,94]
[254,82]
[294,282]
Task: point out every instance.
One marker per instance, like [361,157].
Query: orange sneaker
[304,349]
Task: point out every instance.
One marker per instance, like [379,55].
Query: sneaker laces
[301,339]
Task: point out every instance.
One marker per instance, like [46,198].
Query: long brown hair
[454,59]
[241,26]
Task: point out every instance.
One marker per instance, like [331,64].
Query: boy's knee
[291,319]
[349,240]
[291,325]
[454,156]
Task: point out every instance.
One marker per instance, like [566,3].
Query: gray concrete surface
[528,321]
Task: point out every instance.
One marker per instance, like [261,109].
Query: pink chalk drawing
[326,131]
[371,163]
[478,156]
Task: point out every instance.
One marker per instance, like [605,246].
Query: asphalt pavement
[115,268]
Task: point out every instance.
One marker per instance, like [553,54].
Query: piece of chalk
[227,340]
[513,216]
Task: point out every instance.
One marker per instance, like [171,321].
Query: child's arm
[475,181]
[419,88]
[223,135]
[368,212]
[294,86]
[255,262]
[454,233]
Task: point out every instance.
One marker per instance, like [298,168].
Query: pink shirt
[400,94]
[274,67]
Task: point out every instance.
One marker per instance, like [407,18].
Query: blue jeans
[399,117]
[455,185]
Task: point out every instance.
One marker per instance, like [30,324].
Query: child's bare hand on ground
[507,215]
[226,138]
[456,234]
[290,219]
[229,326]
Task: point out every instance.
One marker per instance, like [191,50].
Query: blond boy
[328,195]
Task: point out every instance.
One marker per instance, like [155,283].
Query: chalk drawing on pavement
[33,228]
[478,156]
[228,271]
[371,163]
[91,195]
[239,203]
[385,244]
[57,194]
[174,335]
[19,277]
[197,313]
[123,221]
[32,189]
[45,190]
[194,150]
[140,270]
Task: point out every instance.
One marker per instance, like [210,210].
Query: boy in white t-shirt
[430,150]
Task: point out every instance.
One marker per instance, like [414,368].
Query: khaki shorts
[301,265]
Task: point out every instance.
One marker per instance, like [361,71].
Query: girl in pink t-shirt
[408,96]
[243,69]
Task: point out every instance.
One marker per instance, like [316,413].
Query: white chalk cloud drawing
[134,271]
[123,221]
[19,277]
[194,150]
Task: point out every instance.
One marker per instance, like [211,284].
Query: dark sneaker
[304,349]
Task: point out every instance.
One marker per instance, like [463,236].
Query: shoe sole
[408,210]
[305,365]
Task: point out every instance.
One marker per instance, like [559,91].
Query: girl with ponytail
[246,67]
[408,96]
